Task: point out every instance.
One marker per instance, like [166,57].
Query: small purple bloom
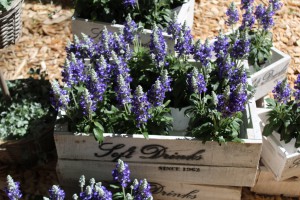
[241,47]
[297,88]
[158,46]
[101,193]
[129,3]
[233,14]
[104,46]
[123,90]
[73,71]
[142,191]
[140,106]
[166,80]
[56,193]
[60,97]
[196,81]
[95,84]
[225,65]
[282,91]
[203,52]
[221,44]
[267,20]
[174,28]
[121,173]
[12,190]
[157,94]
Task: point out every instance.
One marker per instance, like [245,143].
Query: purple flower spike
[141,191]
[246,4]
[196,82]
[87,104]
[259,12]
[157,94]
[184,43]
[174,28]
[276,4]
[221,44]
[140,106]
[282,91]
[121,173]
[158,46]
[56,193]
[267,20]
[241,47]
[60,99]
[166,81]
[123,90]
[101,193]
[203,52]
[13,189]
[130,30]
[248,19]
[233,15]
[297,88]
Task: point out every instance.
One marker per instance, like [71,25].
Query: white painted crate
[282,159]
[94,28]
[161,158]
[266,184]
[265,79]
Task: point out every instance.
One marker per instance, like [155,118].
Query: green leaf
[98,134]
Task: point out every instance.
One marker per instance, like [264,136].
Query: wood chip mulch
[46,30]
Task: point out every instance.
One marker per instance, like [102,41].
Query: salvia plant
[146,12]
[117,85]
[259,34]
[123,188]
[284,116]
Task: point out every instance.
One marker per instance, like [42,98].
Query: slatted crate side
[94,28]
[266,184]
[282,159]
[178,191]
[265,79]
[164,149]
[69,171]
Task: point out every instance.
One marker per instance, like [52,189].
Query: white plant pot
[180,120]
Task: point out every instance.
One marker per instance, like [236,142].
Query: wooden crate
[282,159]
[173,158]
[266,184]
[94,28]
[179,191]
[265,79]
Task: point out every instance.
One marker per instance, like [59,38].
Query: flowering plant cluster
[260,37]
[110,87]
[135,190]
[284,116]
[146,12]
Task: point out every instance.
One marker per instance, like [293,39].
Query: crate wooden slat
[266,184]
[94,28]
[282,159]
[70,170]
[178,191]
[265,79]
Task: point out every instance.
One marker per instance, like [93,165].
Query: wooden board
[94,28]
[165,149]
[179,191]
[282,159]
[266,184]
[265,80]
[69,171]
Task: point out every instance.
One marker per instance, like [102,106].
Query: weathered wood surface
[180,191]
[265,80]
[94,28]
[69,171]
[282,159]
[266,184]
[165,149]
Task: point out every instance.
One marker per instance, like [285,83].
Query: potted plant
[121,96]
[267,64]
[10,22]
[281,130]
[91,16]
[27,122]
